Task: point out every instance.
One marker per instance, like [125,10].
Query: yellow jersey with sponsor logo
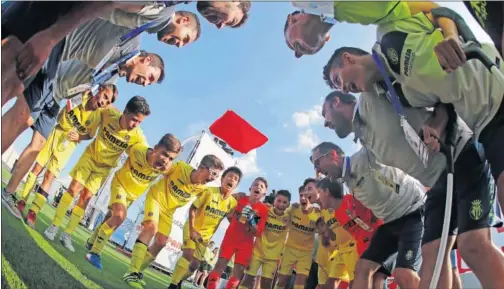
[137,174]
[212,209]
[111,140]
[82,121]
[270,244]
[342,236]
[302,228]
[175,189]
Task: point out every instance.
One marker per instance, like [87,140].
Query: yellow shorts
[292,256]
[268,267]
[119,195]
[199,248]
[89,174]
[342,263]
[56,151]
[322,275]
[156,213]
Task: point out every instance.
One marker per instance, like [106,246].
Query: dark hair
[319,221]
[270,199]
[338,62]
[326,146]
[235,170]
[284,193]
[156,61]
[335,188]
[287,20]
[244,7]
[263,180]
[194,23]
[343,97]
[170,143]
[309,180]
[300,189]
[211,162]
[138,104]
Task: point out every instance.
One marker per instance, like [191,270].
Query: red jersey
[240,232]
[357,220]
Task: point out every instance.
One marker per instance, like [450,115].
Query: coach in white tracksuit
[391,195]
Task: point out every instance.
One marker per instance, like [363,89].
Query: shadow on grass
[31,262]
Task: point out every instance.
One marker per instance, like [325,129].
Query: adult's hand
[33,54]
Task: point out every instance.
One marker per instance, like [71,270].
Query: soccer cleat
[134,279]
[9,201]
[31,218]
[95,260]
[66,240]
[88,245]
[51,232]
[21,205]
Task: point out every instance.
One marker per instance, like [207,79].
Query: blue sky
[251,71]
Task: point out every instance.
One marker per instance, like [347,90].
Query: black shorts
[25,19]
[204,266]
[472,198]
[39,94]
[492,139]
[312,280]
[402,237]
[489,15]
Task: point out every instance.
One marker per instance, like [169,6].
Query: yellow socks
[181,270]
[30,182]
[104,233]
[242,287]
[38,203]
[148,259]
[298,286]
[77,215]
[65,202]
[137,256]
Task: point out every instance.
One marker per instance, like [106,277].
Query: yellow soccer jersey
[111,141]
[175,189]
[302,228]
[342,236]
[82,121]
[212,209]
[270,244]
[137,174]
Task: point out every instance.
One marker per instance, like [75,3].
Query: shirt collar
[324,9]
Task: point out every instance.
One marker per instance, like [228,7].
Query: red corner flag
[237,132]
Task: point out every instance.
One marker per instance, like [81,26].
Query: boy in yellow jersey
[177,187]
[300,242]
[323,250]
[306,32]
[141,169]
[269,246]
[117,133]
[73,125]
[342,251]
[205,216]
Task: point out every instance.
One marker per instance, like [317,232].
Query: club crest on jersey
[127,138]
[150,214]
[88,122]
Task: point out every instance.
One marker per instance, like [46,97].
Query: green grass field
[29,260]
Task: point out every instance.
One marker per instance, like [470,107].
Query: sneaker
[66,240]
[9,201]
[88,245]
[134,279]
[31,218]
[21,205]
[51,232]
[95,260]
